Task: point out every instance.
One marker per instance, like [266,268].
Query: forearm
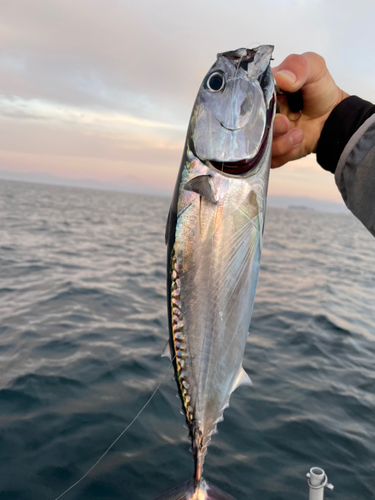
[347,149]
[342,123]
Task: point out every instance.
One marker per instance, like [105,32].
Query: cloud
[116,80]
[149,57]
[127,175]
[43,110]
[112,138]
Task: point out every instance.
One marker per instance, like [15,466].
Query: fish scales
[214,237]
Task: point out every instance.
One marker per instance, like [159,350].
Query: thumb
[292,73]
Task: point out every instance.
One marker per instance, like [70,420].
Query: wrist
[340,97]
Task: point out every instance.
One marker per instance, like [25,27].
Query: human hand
[296,139]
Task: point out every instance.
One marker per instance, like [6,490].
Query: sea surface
[83,320]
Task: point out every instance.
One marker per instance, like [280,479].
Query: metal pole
[317,480]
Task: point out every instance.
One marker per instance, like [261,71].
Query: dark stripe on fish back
[178,338]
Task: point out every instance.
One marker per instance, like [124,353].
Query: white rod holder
[317,480]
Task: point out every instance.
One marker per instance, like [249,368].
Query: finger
[298,70]
[281,125]
[284,144]
[279,161]
[291,74]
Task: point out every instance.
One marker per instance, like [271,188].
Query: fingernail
[291,77]
[296,136]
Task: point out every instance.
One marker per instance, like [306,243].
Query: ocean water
[83,321]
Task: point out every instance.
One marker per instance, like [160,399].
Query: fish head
[234,110]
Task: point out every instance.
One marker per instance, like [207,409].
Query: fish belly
[214,266]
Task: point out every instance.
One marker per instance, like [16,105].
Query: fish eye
[215,82]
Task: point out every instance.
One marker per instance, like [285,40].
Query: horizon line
[51,180]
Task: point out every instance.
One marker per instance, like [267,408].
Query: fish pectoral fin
[167,351]
[204,186]
[241,379]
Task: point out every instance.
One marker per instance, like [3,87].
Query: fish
[214,239]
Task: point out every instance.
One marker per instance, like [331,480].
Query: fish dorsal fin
[167,351]
[241,379]
[204,186]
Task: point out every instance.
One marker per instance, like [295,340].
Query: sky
[99,92]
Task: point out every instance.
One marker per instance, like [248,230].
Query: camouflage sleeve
[347,149]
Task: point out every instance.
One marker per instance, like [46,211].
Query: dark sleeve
[342,123]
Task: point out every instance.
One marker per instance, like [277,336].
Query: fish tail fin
[190,490]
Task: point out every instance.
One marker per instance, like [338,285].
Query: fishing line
[255,45]
[120,435]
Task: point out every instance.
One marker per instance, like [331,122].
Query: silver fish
[214,237]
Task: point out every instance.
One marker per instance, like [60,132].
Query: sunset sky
[100,92]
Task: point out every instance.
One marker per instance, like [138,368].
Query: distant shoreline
[273,201]
[300,207]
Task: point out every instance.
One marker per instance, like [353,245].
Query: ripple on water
[83,323]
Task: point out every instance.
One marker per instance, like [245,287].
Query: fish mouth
[230,129]
[242,166]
